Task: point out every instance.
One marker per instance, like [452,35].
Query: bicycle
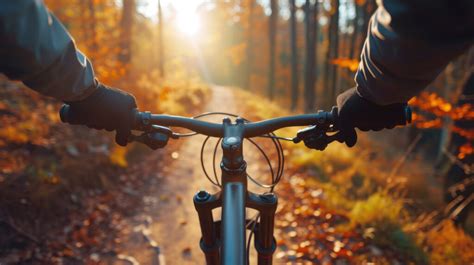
[224,241]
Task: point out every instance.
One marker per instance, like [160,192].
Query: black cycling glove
[357,112]
[107,108]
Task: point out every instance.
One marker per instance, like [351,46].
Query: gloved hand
[107,108]
[357,112]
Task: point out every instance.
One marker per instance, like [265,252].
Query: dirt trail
[174,224]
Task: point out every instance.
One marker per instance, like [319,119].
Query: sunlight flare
[188,22]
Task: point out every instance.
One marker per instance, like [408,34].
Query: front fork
[265,243]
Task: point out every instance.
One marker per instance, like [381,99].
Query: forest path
[169,211]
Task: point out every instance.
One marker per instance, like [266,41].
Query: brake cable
[275,139]
[158,137]
[203,166]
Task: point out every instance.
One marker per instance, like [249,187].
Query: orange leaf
[118,156]
[351,64]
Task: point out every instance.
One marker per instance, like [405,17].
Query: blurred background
[68,195]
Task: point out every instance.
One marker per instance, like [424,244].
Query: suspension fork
[209,243]
[265,242]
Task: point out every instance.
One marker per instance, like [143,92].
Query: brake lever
[156,137]
[304,133]
[164,130]
[316,137]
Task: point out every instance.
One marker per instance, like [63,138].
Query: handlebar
[251,129]
[156,131]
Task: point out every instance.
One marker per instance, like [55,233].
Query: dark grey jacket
[36,49]
[409,43]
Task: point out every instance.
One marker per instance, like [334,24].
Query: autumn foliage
[433,111]
[350,64]
[69,195]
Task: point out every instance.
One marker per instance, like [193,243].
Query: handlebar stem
[232,144]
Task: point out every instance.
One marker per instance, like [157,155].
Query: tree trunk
[249,49]
[93,25]
[315,54]
[84,20]
[349,46]
[355,33]
[161,46]
[459,173]
[335,68]
[294,56]
[128,13]
[309,60]
[327,64]
[272,30]
[368,9]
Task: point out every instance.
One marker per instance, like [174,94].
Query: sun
[188,22]
[186,17]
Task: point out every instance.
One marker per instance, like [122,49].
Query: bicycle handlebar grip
[140,119]
[408,114]
[395,115]
[375,118]
[64,113]
[400,115]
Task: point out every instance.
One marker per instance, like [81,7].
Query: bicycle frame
[223,242]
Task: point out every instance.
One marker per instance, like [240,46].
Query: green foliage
[379,209]
[406,244]
[335,197]
[386,216]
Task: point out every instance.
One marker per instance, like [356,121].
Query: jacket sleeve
[408,45]
[36,49]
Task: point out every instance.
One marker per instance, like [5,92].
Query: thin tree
[93,23]
[351,42]
[367,10]
[128,13]
[315,45]
[161,46]
[309,71]
[89,24]
[335,44]
[327,61]
[249,48]
[294,56]
[272,34]
[355,31]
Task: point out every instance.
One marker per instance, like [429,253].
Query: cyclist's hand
[107,108]
[357,112]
